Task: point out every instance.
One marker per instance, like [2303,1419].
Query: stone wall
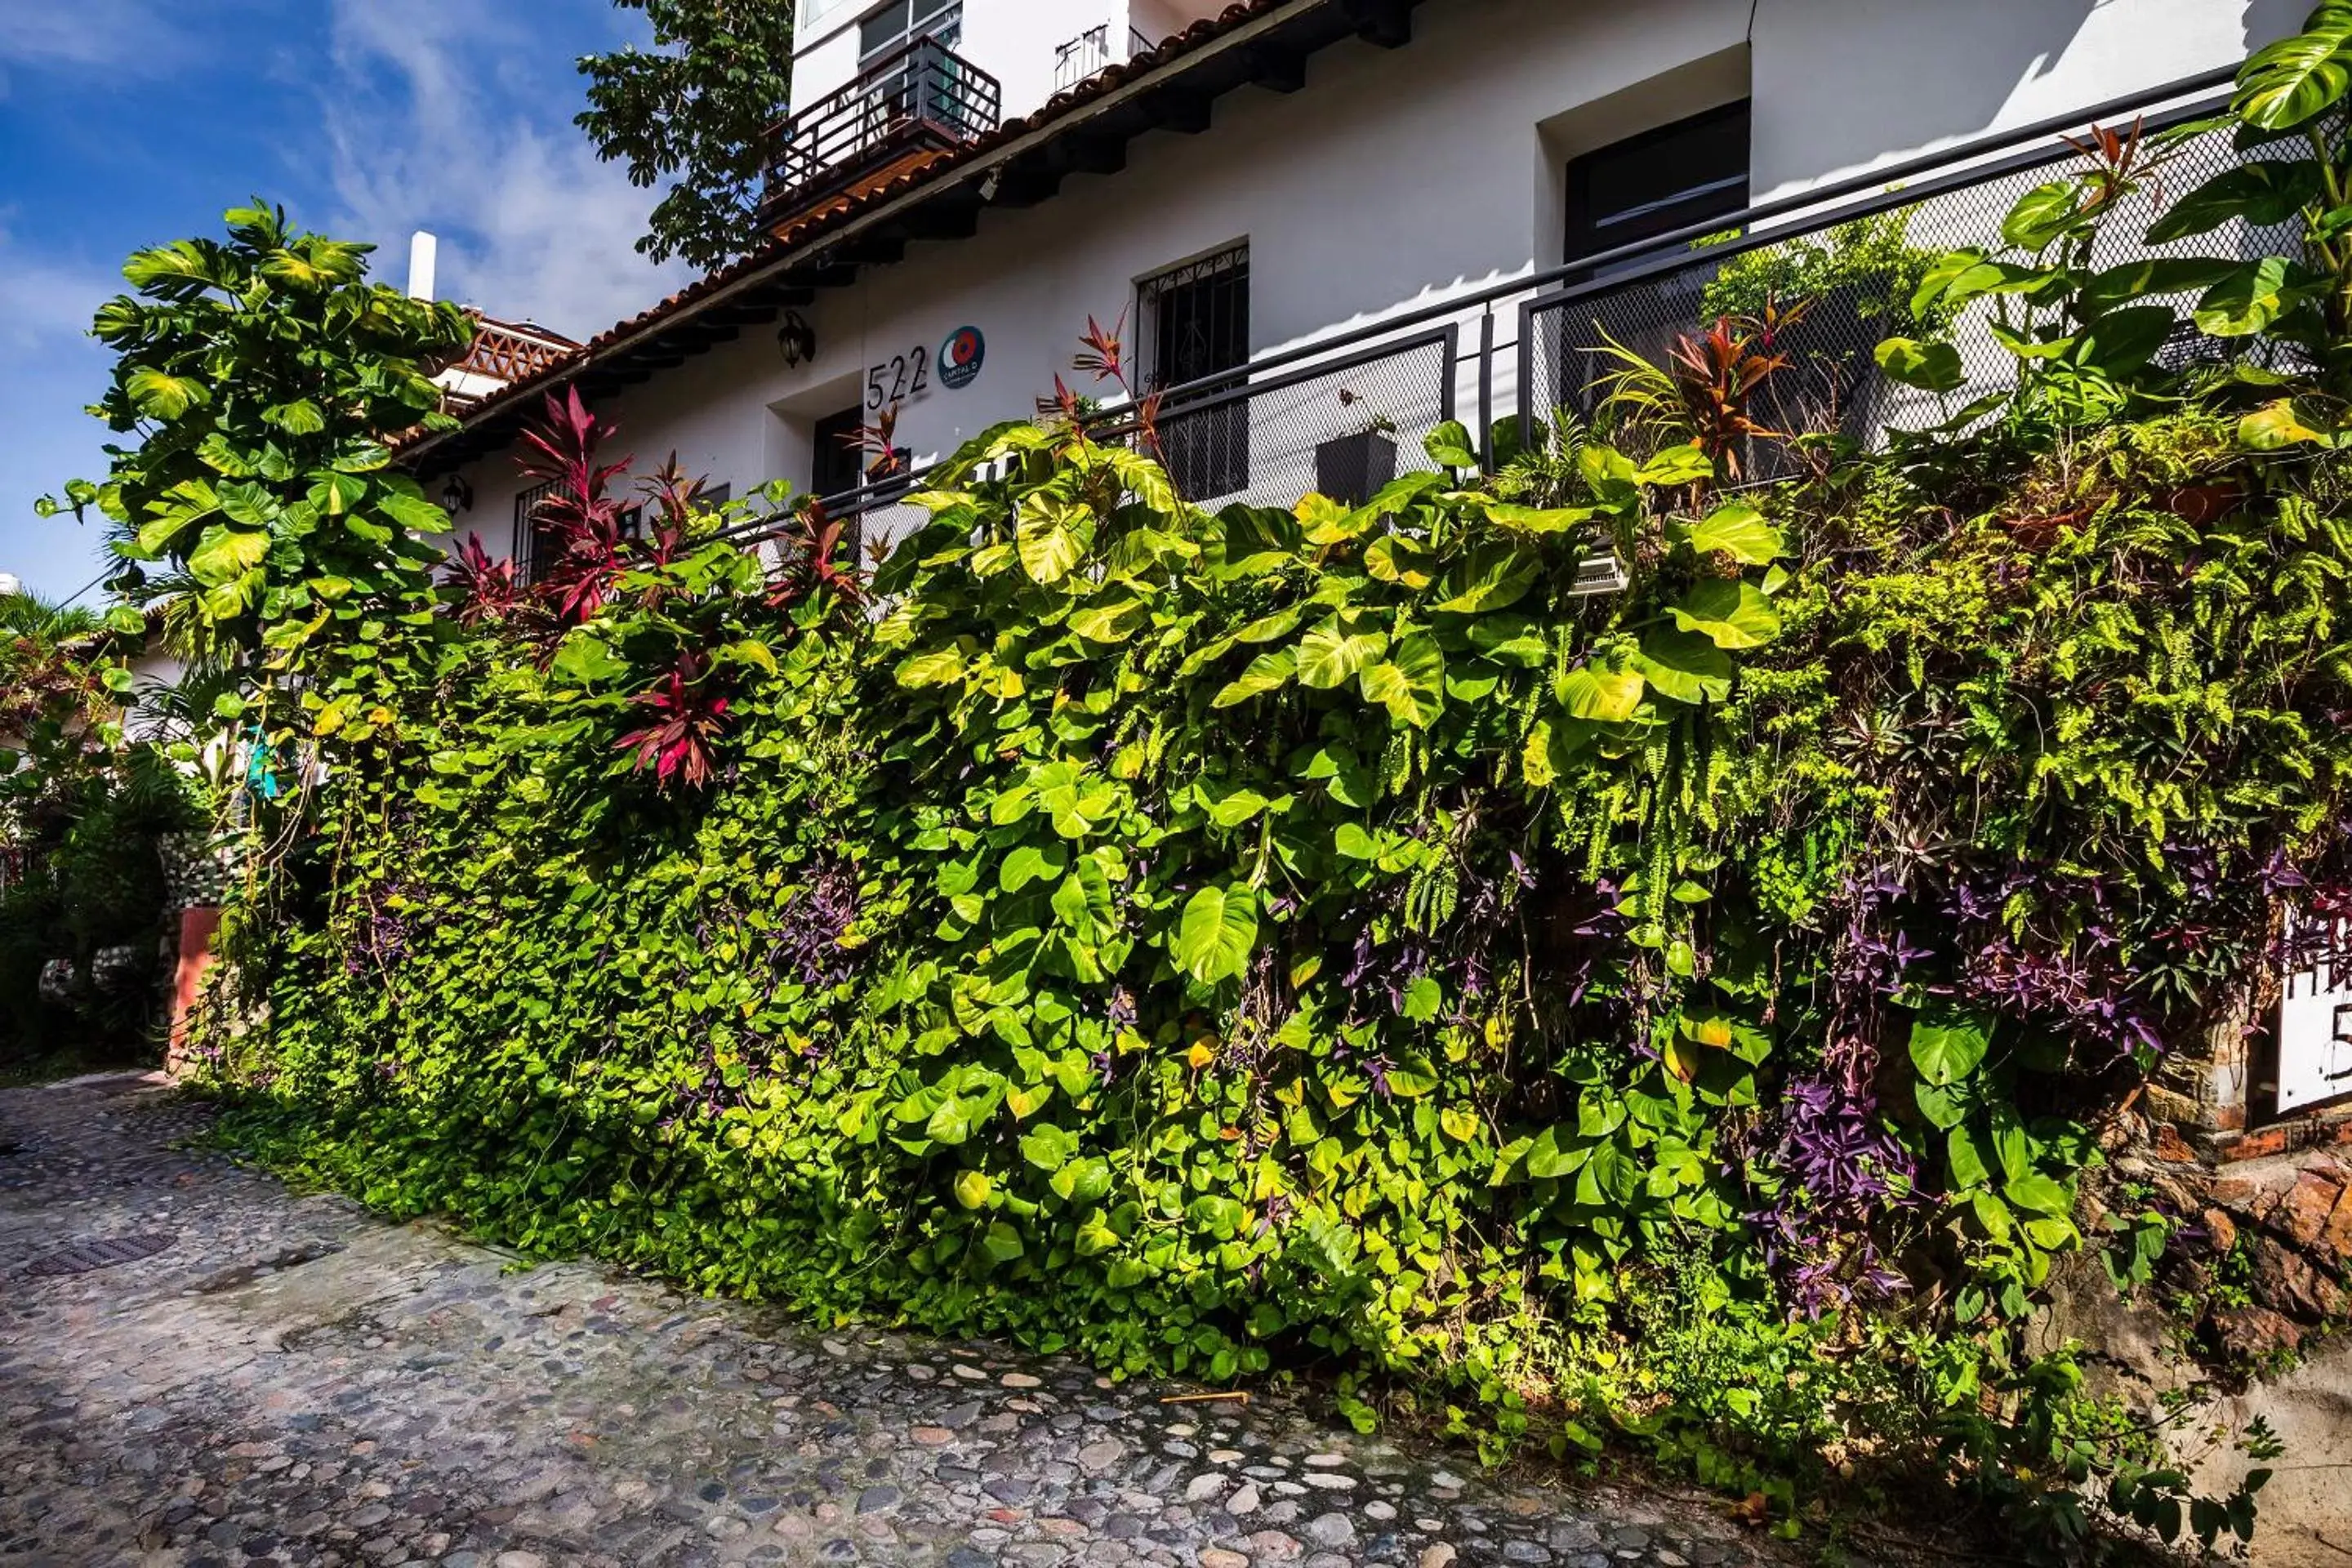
[2253,1301]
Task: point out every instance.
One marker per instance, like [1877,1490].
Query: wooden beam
[747,315]
[828,275]
[1186,113]
[1083,154]
[876,249]
[1028,183]
[1385,22]
[943,219]
[1274,68]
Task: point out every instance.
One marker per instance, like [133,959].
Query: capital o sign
[960,358]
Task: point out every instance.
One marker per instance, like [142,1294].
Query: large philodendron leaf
[1411,684]
[1491,577]
[224,554]
[1450,446]
[162,396]
[1051,538]
[2262,192]
[1217,934]
[2291,81]
[1114,621]
[1685,667]
[1739,531]
[2044,214]
[1728,614]
[1331,654]
[2248,300]
[1266,672]
[1605,695]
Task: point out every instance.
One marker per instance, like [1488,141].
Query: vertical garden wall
[1329,938]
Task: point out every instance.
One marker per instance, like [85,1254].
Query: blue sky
[127,122]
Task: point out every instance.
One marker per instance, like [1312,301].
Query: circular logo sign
[960,358]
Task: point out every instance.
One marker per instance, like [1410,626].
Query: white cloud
[442,114]
[132,35]
[49,368]
[45,300]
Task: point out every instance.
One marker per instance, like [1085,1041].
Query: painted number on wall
[902,379]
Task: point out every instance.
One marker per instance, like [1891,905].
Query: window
[837,466]
[1196,325]
[1658,181]
[536,545]
[903,20]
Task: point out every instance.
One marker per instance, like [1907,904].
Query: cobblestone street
[245,1375]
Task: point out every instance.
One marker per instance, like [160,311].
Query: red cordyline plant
[1709,390]
[674,500]
[560,452]
[877,444]
[1719,376]
[812,563]
[686,714]
[486,586]
[1102,354]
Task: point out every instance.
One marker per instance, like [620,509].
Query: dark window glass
[536,545]
[1658,181]
[837,466]
[1197,319]
[896,22]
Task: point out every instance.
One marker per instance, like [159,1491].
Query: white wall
[1845,86]
[1398,178]
[1013,40]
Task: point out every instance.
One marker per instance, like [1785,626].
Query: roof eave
[1243,27]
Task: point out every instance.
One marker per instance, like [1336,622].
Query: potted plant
[1851,287]
[1350,468]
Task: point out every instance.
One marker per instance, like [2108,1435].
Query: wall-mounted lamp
[797,341]
[457,495]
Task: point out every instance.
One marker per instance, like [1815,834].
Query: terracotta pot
[198,925]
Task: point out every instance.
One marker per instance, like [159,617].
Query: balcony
[921,98]
[1090,54]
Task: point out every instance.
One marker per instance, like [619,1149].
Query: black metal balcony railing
[921,97]
[1090,53]
[1332,414]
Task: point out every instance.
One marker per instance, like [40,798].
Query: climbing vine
[1339,936]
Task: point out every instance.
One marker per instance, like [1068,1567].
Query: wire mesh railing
[1846,278]
[1341,414]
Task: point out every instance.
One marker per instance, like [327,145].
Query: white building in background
[964,183]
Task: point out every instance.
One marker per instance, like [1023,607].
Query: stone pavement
[245,1375]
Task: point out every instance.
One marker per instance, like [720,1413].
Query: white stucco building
[964,183]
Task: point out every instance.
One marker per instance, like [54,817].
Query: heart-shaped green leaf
[1947,1048]
[1411,683]
[1217,934]
[1934,367]
[1266,672]
[1685,667]
[1729,614]
[1491,577]
[1331,654]
[1739,531]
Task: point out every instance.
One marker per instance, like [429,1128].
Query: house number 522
[903,378]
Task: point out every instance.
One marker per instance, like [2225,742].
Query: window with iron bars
[537,546]
[1194,323]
